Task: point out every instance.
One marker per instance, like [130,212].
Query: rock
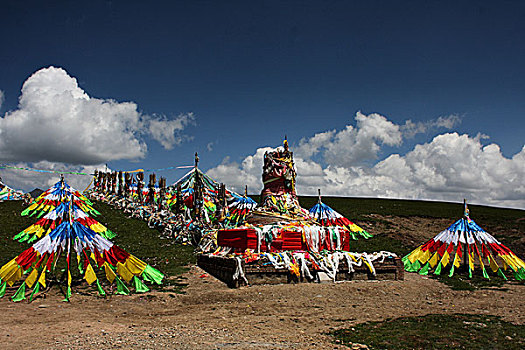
[323,278]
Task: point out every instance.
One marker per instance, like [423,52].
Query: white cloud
[57,121]
[310,147]
[353,144]
[167,132]
[28,180]
[236,176]
[450,167]
[410,129]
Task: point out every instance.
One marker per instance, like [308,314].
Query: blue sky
[243,74]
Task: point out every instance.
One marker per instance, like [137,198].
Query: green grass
[378,243]
[461,281]
[12,223]
[436,332]
[358,208]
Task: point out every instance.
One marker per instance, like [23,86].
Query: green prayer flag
[18,236]
[2,289]
[424,270]
[101,291]
[485,274]
[121,287]
[438,269]
[68,293]
[25,212]
[20,293]
[140,287]
[451,271]
[152,275]
[519,274]
[35,290]
[407,264]
[412,267]
[501,274]
[110,234]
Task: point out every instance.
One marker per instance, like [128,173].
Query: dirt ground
[211,316]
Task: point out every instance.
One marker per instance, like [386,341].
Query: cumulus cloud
[353,144]
[449,167]
[57,121]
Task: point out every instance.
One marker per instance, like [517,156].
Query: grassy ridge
[358,208]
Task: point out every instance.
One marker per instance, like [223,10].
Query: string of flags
[3,166]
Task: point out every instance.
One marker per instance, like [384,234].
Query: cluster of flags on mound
[66,237]
[328,217]
[238,206]
[53,211]
[464,242]
[7,193]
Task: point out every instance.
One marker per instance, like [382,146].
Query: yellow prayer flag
[471,261]
[42,279]
[434,260]
[492,262]
[31,279]
[90,275]
[518,261]
[413,256]
[110,274]
[445,259]
[33,206]
[424,256]
[4,271]
[457,260]
[11,272]
[136,266]
[123,271]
